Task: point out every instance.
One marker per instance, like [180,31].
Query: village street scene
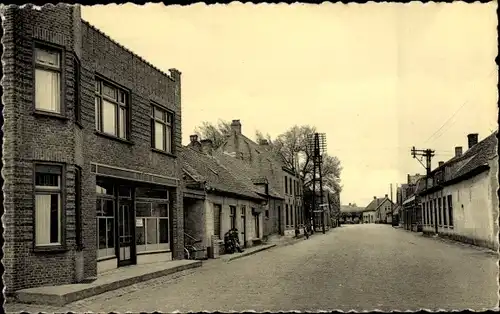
[143,174]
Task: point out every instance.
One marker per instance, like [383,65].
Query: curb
[69,296]
[232,258]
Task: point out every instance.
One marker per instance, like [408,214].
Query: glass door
[126,245]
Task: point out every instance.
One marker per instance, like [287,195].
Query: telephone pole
[428,154]
[317,146]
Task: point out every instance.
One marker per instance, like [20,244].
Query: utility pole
[317,146]
[428,154]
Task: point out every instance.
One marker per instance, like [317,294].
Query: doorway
[126,231]
[280,230]
[243,226]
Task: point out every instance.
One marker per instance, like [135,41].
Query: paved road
[359,267]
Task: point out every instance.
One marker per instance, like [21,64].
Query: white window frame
[166,122]
[108,251]
[49,190]
[147,248]
[120,102]
[39,65]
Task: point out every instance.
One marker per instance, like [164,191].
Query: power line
[444,124]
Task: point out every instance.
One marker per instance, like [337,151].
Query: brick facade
[31,138]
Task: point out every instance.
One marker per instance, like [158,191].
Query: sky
[378,79]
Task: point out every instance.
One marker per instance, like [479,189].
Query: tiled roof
[248,174]
[351,209]
[210,170]
[375,204]
[477,156]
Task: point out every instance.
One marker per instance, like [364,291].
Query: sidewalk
[249,251]
[108,281]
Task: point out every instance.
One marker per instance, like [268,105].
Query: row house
[378,211]
[409,201]
[459,199]
[285,215]
[91,136]
[221,193]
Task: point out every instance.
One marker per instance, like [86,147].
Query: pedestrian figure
[236,240]
[306,231]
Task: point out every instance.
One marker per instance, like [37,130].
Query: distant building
[460,200]
[378,211]
[351,213]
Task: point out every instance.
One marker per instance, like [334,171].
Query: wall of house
[31,138]
[272,223]
[475,210]
[369,217]
[195,215]
[225,221]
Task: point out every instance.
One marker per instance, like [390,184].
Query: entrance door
[280,231]
[243,226]
[126,247]
[217,214]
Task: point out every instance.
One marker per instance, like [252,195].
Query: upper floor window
[48,80]
[286,185]
[161,128]
[111,109]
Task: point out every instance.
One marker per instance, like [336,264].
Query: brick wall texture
[29,138]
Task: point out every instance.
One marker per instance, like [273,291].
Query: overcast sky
[376,78]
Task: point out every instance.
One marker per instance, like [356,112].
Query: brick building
[285,215]
[91,136]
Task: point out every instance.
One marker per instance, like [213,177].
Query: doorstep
[108,281]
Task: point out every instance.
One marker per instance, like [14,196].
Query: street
[354,267]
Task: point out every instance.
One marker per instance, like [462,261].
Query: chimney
[386,196]
[440,163]
[207,147]
[350,204]
[458,151]
[472,139]
[374,197]
[193,138]
[263,142]
[236,126]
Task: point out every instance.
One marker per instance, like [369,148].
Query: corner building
[91,134]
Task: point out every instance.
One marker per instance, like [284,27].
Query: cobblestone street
[359,267]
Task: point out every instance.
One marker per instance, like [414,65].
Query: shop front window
[152,225]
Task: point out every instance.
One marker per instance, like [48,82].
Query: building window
[450,211]
[105,211]
[256,224]
[152,224]
[425,214]
[435,213]
[111,109]
[161,129]
[290,186]
[267,213]
[429,213]
[432,212]
[48,207]
[48,71]
[77,96]
[445,214]
[232,216]
[286,185]
[440,212]
[287,218]
[243,218]
[78,208]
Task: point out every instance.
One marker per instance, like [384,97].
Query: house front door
[243,230]
[126,228]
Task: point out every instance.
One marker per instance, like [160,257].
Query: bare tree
[216,133]
[292,145]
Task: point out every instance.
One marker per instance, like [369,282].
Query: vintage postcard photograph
[249,157]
